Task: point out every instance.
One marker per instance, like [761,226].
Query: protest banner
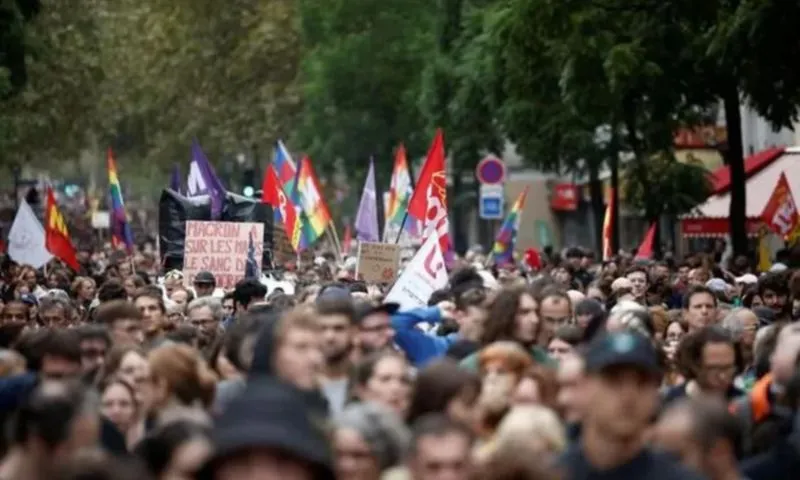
[221,248]
[423,275]
[377,262]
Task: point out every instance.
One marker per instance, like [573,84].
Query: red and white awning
[762,170]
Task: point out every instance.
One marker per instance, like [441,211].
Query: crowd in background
[574,369]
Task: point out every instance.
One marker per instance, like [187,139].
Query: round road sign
[491,171]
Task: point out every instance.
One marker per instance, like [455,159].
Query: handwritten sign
[222,249]
[377,262]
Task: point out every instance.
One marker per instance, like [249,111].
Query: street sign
[491,171]
[491,202]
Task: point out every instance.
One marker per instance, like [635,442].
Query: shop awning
[763,170]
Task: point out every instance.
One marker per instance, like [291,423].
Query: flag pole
[402,225]
[335,237]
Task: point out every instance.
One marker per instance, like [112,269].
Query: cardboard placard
[377,262]
[221,248]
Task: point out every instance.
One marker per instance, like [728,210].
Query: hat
[778,267]
[205,277]
[29,299]
[365,309]
[717,285]
[334,292]
[271,415]
[747,279]
[622,349]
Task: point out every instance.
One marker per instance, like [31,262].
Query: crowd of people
[622,369]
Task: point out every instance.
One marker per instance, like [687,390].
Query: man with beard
[337,323]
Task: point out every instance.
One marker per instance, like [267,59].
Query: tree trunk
[734,157]
[614,204]
[596,201]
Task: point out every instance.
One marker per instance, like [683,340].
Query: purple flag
[175,180]
[367,216]
[203,181]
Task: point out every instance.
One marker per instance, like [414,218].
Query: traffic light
[249,182]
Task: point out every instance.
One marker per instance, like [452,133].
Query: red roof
[721,177]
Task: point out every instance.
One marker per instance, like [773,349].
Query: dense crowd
[577,369]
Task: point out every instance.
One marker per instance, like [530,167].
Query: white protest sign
[423,275]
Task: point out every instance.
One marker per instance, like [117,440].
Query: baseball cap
[205,277]
[365,309]
[622,349]
[717,285]
[29,298]
[334,292]
[747,279]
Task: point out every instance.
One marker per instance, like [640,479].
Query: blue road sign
[491,207]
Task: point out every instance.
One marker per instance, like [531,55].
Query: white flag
[423,275]
[26,239]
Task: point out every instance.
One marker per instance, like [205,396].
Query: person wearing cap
[204,284]
[269,432]
[622,377]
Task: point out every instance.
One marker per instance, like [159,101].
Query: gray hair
[388,438]
[212,303]
[48,303]
[733,323]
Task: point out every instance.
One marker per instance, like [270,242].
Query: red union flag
[780,213]
[429,200]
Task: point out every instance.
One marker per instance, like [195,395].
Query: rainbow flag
[302,188]
[309,194]
[503,250]
[400,188]
[120,228]
[400,191]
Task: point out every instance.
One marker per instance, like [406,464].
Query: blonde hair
[532,422]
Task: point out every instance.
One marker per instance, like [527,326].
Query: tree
[455,97]
[48,117]
[222,72]
[360,81]
[744,46]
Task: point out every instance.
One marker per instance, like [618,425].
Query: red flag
[608,224]
[645,250]
[780,212]
[348,239]
[269,187]
[429,201]
[57,238]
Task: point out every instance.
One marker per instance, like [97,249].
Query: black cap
[622,349]
[271,415]
[365,309]
[205,277]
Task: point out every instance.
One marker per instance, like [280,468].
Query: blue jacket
[420,347]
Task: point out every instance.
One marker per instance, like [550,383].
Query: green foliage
[664,186]
[145,76]
[49,118]
[361,80]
